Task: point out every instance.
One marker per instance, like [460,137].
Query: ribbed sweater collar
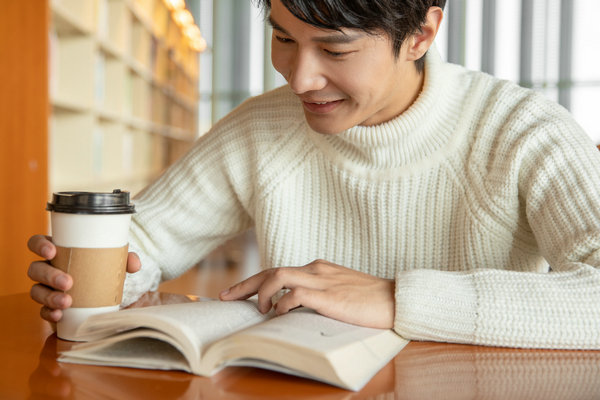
[419,135]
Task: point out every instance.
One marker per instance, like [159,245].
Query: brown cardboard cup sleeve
[98,274]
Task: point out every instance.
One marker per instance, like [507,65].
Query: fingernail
[61,282]
[224,292]
[265,309]
[46,252]
[59,301]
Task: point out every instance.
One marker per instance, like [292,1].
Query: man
[433,199]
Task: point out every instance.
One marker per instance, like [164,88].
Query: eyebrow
[340,38]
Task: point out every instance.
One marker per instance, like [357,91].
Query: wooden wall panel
[24,136]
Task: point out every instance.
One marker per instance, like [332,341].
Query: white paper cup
[90,232]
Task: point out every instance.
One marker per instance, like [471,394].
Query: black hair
[398,18]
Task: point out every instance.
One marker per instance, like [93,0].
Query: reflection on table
[421,371]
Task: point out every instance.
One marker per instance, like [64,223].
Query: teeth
[324,102]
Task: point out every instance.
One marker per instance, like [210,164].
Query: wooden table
[29,370]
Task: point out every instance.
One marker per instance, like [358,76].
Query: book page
[141,348]
[193,325]
[312,345]
[307,328]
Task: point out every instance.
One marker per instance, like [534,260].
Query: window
[552,46]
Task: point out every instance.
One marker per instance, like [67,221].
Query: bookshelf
[24,133]
[123,82]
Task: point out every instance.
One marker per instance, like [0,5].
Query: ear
[419,42]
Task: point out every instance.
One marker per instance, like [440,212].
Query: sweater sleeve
[196,205]
[210,194]
[557,170]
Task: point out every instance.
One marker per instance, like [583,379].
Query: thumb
[133,263]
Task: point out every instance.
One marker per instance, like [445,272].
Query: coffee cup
[90,231]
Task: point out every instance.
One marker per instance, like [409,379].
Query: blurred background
[550,45]
[104,94]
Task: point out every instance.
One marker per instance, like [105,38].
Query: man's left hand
[330,289]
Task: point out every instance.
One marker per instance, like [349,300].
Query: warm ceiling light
[192,31]
[198,44]
[183,17]
[194,37]
[174,4]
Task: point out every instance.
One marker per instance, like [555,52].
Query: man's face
[343,78]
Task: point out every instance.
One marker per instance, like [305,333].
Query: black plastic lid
[116,202]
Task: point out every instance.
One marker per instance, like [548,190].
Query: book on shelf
[204,337]
[99,80]
[102,22]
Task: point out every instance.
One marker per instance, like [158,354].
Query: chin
[325,127]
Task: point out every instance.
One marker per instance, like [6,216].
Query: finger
[52,299]
[46,274]
[318,300]
[51,315]
[42,246]
[245,288]
[288,278]
[299,297]
[269,282]
[272,285]
[251,286]
[133,263]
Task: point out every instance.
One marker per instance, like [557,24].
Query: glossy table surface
[421,371]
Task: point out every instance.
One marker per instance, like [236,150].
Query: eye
[282,39]
[335,53]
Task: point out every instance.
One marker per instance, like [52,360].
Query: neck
[420,133]
[417,80]
[409,84]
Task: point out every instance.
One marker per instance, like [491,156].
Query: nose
[305,74]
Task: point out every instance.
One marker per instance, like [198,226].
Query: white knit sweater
[482,200]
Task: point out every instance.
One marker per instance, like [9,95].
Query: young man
[443,203]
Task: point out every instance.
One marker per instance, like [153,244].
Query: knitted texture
[481,200]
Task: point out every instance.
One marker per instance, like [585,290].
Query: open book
[204,337]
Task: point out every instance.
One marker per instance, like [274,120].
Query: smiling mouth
[321,107]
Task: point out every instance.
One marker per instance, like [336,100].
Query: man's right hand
[52,283]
